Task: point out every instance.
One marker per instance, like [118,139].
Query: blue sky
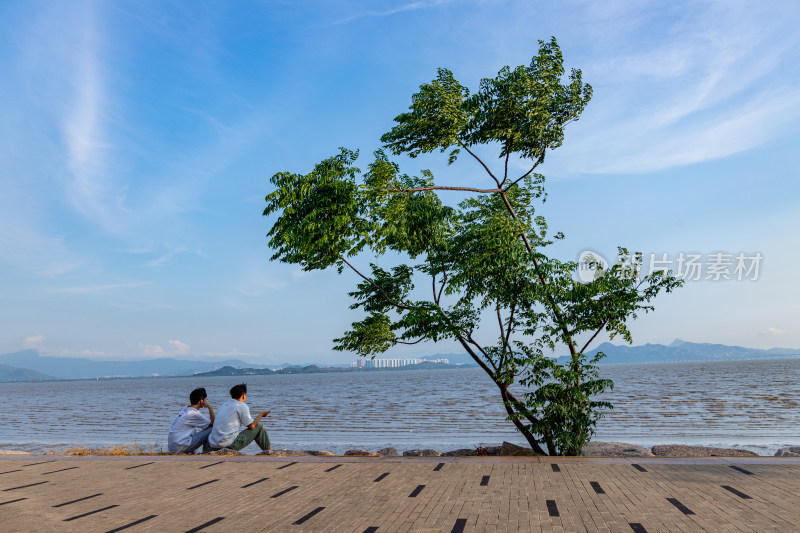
[138,139]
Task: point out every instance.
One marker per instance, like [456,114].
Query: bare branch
[511,320]
[595,335]
[464,146]
[443,188]
[415,342]
[505,174]
[444,282]
[502,328]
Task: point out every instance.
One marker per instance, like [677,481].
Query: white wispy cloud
[178,347]
[92,289]
[170,254]
[775,331]
[33,341]
[708,84]
[411,6]
[52,138]
[28,247]
[151,349]
[87,134]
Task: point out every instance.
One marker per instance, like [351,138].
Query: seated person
[191,428]
[231,417]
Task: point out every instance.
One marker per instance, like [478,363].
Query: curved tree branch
[464,146]
[445,188]
[385,296]
[415,342]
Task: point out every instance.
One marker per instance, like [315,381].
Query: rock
[290,452]
[361,453]
[493,450]
[789,451]
[225,451]
[320,453]
[679,450]
[515,451]
[387,452]
[614,449]
[461,452]
[422,453]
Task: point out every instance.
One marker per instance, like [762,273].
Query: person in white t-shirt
[234,414]
[191,428]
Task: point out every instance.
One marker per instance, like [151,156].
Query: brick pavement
[477,494]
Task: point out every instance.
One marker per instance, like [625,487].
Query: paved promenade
[492,494]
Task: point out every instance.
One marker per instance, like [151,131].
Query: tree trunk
[520,426]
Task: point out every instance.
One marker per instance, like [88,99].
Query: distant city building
[393,363]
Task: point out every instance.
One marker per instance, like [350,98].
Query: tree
[483,257]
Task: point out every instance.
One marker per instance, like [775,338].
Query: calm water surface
[752,404]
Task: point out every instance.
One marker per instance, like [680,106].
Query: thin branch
[464,146]
[511,316]
[511,320]
[585,346]
[502,328]
[441,289]
[385,296]
[505,174]
[415,342]
[444,282]
[595,335]
[474,356]
[480,349]
[474,343]
[556,311]
[536,164]
[443,188]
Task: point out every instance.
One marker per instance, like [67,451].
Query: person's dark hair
[196,395]
[238,390]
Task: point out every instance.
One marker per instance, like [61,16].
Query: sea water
[750,404]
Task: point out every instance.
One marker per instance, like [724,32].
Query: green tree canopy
[484,257]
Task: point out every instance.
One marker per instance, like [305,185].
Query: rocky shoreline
[507,449]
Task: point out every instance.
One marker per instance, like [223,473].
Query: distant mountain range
[679,351]
[30,365]
[314,369]
[81,368]
[13,373]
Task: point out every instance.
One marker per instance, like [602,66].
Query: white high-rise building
[393,363]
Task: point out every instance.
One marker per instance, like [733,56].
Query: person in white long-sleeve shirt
[234,414]
[191,428]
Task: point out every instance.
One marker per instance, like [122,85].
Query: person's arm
[257,419]
[211,413]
